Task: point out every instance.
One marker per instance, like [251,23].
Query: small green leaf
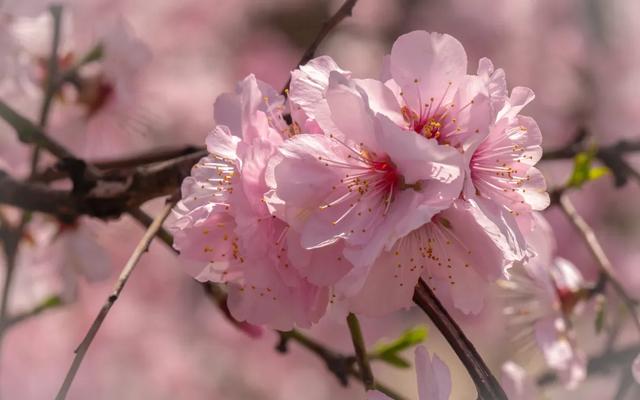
[597,172]
[388,352]
[395,360]
[49,302]
[583,172]
[95,54]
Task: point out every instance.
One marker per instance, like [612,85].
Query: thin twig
[343,12]
[486,384]
[145,220]
[361,351]
[598,253]
[11,243]
[140,249]
[611,156]
[340,365]
[30,133]
[49,303]
[579,144]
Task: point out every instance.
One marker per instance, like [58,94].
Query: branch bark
[343,12]
[111,196]
[486,384]
[606,268]
[140,249]
[361,352]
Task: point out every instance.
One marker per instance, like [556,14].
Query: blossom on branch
[546,293]
[349,188]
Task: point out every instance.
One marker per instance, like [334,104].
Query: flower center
[435,118]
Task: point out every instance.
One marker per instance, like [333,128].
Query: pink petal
[423,64]
[349,112]
[635,368]
[381,99]
[222,143]
[469,245]
[323,266]
[308,87]
[496,84]
[434,377]
[394,273]
[227,112]
[516,383]
[559,350]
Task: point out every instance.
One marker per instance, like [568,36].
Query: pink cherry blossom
[224,221]
[98,115]
[50,259]
[517,384]
[463,247]
[433,376]
[547,292]
[438,99]
[435,96]
[364,182]
[502,166]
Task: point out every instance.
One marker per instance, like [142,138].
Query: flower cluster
[352,189]
[545,294]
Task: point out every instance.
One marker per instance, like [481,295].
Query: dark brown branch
[57,171]
[343,12]
[140,249]
[29,133]
[612,155]
[486,384]
[111,196]
[340,365]
[621,148]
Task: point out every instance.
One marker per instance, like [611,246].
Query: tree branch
[340,365]
[111,196]
[343,12]
[612,155]
[361,351]
[486,384]
[140,249]
[11,241]
[606,268]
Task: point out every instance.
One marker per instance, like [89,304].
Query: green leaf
[583,171]
[597,172]
[49,302]
[388,351]
[95,54]
[395,360]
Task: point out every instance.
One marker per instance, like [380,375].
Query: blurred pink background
[165,340]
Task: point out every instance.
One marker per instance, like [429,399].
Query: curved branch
[140,249]
[343,12]
[598,253]
[486,384]
[109,198]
